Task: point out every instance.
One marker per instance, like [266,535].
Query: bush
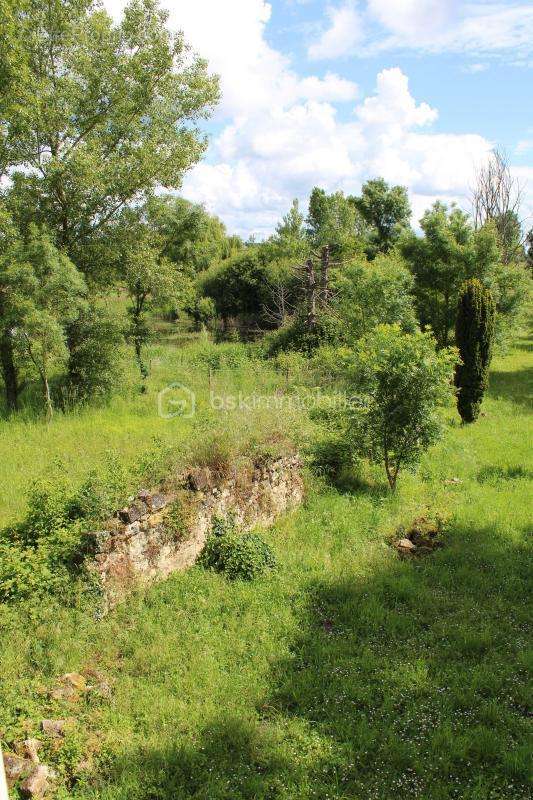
[94,369]
[330,456]
[296,335]
[243,556]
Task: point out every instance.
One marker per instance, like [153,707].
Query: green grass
[347,673]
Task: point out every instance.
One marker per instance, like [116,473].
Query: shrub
[243,556]
[94,368]
[474,333]
[331,455]
[296,335]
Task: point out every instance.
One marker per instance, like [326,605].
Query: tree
[474,334]
[150,280]
[375,293]
[238,286]
[386,211]
[333,221]
[191,238]
[113,113]
[54,294]
[400,382]
[449,252]
[16,280]
[94,341]
[290,239]
[496,199]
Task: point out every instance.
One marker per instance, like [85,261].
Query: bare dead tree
[324,278]
[280,306]
[497,198]
[311,291]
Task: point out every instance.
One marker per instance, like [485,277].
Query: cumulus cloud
[345,31]
[258,164]
[279,133]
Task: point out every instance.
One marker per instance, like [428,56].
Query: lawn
[348,673]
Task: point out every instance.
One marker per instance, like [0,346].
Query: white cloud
[428,26]
[413,18]
[345,31]
[280,132]
[475,68]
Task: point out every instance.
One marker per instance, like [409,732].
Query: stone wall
[140,545]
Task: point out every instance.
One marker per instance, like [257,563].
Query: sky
[330,94]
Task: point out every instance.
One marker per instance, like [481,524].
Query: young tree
[400,383]
[386,211]
[474,334]
[55,292]
[112,114]
[150,280]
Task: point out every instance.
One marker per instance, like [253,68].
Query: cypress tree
[474,335]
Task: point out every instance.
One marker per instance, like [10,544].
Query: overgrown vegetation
[137,335]
[234,553]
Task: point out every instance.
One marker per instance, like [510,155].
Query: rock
[156,502]
[65,692]
[75,679]
[200,479]
[132,513]
[15,767]
[406,544]
[31,749]
[452,481]
[36,784]
[54,727]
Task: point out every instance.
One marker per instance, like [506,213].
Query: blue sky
[329,94]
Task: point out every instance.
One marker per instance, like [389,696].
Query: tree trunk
[325,274]
[9,372]
[311,295]
[47,397]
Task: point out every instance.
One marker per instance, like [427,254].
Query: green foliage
[94,363]
[297,335]
[333,220]
[190,236]
[111,113]
[176,522]
[401,382]
[50,296]
[449,253]
[379,293]
[386,211]
[243,556]
[474,334]
[238,286]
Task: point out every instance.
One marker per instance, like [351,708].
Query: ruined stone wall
[140,545]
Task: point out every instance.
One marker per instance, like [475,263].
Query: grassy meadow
[348,673]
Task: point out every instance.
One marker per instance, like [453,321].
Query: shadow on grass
[515,386]
[406,683]
[495,475]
